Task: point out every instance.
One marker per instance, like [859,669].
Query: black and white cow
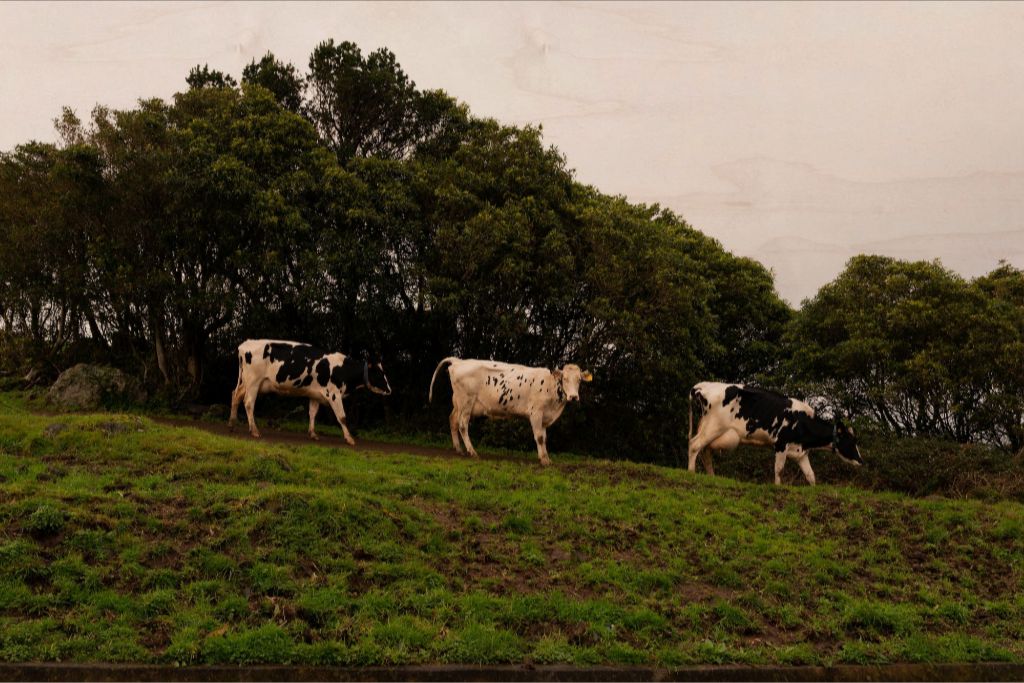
[731,414]
[502,390]
[293,369]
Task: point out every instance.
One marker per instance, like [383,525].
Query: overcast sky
[795,133]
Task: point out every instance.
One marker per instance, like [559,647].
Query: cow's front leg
[540,435]
[805,465]
[780,463]
[339,413]
[314,408]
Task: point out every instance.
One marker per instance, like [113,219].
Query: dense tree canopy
[347,208]
[918,348]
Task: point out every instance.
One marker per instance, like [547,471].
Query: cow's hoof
[314,436]
[254,435]
[231,426]
[545,462]
[350,441]
[474,455]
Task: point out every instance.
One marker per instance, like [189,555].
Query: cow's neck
[351,374]
[819,433]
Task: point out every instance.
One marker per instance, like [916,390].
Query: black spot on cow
[248,357]
[701,401]
[349,374]
[761,408]
[323,372]
[769,411]
[542,382]
[774,413]
[294,359]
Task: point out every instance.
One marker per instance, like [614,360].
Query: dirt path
[289,438]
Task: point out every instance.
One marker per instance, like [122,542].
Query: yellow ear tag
[587,377]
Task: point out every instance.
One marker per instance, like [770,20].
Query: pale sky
[798,134]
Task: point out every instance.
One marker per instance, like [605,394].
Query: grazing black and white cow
[293,369]
[731,414]
[500,390]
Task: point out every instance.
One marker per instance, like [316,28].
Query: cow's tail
[690,437]
[446,361]
[241,366]
[694,394]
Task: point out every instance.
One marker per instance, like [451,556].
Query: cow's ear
[557,374]
[587,377]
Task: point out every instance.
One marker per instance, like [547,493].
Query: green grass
[122,540]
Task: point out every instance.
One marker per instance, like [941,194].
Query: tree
[283,80]
[367,106]
[1004,287]
[205,77]
[54,198]
[912,345]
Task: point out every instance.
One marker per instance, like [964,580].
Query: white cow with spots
[502,390]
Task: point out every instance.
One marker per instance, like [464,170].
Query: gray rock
[87,387]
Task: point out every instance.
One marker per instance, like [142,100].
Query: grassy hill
[123,540]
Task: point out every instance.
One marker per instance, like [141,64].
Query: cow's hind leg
[805,465]
[464,417]
[236,397]
[453,423]
[705,457]
[251,393]
[780,463]
[540,435]
[694,450]
[698,443]
[314,408]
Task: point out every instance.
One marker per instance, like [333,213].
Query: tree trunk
[194,360]
[94,328]
[158,345]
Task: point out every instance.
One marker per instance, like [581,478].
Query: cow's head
[569,378]
[844,443]
[374,378]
